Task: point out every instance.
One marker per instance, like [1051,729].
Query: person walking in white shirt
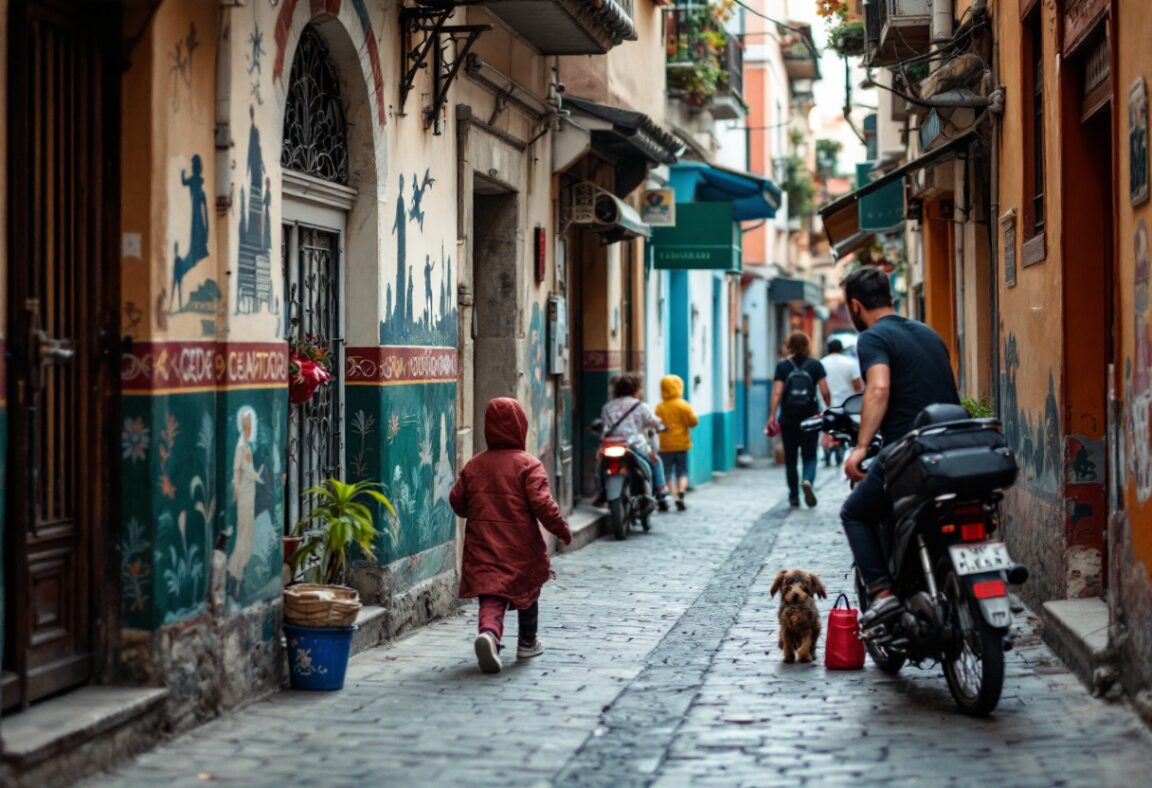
[843,381]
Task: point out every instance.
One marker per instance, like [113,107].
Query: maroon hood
[505,424]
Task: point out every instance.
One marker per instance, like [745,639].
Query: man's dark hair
[868,285]
[835,346]
[626,386]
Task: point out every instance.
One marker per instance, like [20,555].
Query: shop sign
[658,208]
[1138,142]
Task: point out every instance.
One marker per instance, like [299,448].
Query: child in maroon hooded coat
[503,492]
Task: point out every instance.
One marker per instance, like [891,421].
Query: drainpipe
[223,108]
[994,238]
[941,22]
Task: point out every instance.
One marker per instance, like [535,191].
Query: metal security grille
[315,428]
[315,129]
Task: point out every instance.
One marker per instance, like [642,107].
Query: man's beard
[857,320]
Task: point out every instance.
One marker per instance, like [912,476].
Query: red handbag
[843,649]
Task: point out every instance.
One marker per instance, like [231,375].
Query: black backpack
[799,393]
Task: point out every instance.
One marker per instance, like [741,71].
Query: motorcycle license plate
[970,559]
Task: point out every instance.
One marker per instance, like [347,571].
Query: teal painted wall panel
[700,457]
[200,469]
[404,437]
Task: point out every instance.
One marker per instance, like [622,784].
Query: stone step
[587,524]
[80,733]
[373,626]
[1077,630]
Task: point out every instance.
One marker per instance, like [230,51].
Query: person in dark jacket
[797,379]
[503,492]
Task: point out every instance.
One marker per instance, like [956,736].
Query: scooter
[626,481]
[946,479]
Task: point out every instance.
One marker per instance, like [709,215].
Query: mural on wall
[255,53]
[1138,376]
[255,555]
[1035,438]
[181,68]
[254,263]
[283,33]
[206,299]
[541,403]
[434,321]
[410,449]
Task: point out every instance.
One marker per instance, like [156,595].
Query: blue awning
[752,196]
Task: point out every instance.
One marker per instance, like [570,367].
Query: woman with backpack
[793,400]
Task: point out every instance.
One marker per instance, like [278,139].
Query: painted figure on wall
[418,189]
[254,263]
[245,477]
[400,230]
[1138,374]
[197,235]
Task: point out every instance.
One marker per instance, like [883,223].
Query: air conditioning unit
[897,29]
[606,214]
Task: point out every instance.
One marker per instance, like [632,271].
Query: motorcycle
[946,480]
[626,481]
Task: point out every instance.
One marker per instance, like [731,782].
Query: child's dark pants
[492,610]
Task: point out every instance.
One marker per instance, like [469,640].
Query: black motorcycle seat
[940,414]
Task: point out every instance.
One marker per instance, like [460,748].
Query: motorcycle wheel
[617,517]
[887,661]
[975,674]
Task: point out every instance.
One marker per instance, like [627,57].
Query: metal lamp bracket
[427,36]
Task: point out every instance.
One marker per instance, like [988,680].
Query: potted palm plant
[320,617]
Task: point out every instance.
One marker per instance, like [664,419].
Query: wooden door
[62,204]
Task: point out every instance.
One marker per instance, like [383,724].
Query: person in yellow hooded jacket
[676,440]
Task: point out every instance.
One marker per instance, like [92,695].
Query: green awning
[706,237]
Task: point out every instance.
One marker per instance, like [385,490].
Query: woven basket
[310,605]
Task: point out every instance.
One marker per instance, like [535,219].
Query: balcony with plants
[705,60]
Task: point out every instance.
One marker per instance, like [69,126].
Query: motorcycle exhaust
[1018,575]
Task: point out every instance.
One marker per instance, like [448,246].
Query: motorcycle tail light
[969,514]
[989,589]
[615,451]
[948,529]
[973,532]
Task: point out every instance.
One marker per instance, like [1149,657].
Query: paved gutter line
[636,731]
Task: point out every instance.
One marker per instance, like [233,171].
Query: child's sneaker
[680,505]
[488,653]
[529,650]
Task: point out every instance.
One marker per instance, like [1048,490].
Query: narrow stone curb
[638,728]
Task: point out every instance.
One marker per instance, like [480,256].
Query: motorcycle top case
[965,458]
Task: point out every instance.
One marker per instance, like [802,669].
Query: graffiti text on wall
[392,365]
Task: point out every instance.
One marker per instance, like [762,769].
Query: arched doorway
[317,200]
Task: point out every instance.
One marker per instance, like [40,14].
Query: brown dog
[799,619]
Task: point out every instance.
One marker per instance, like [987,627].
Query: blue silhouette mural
[436,325]
[197,235]
[254,266]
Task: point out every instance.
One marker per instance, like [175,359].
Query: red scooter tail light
[613,467]
[989,589]
[973,532]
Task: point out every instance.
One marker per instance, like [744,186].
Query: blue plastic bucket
[318,656]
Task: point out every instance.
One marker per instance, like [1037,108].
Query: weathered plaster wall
[1031,316]
[636,71]
[1130,533]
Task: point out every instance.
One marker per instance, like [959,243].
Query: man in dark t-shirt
[906,368]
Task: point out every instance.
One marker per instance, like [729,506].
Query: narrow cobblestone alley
[662,668]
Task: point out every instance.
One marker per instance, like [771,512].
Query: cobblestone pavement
[662,668]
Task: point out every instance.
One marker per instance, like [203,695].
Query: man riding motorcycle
[906,368]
